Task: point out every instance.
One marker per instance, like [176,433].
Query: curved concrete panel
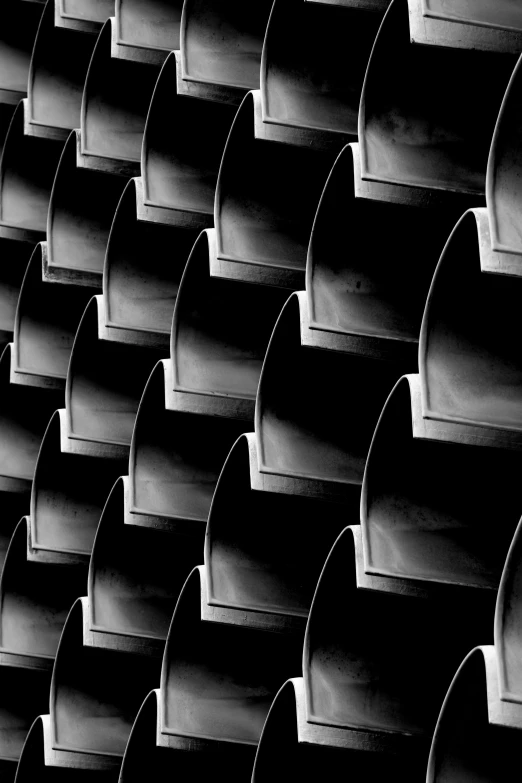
[95,695]
[47,317]
[356,677]
[263,214]
[468,357]
[114,108]
[478,25]
[353,286]
[264,551]
[508,627]
[425,120]
[81,211]
[25,694]
[16,256]
[147,31]
[14,506]
[105,381]
[217,681]
[27,170]
[57,74]
[18,24]
[175,458]
[466,746]
[220,332]
[68,495]
[24,414]
[35,600]
[316,410]
[312,71]
[503,191]
[421,515]
[229,58]
[135,577]
[83,15]
[36,761]
[179,167]
[143,267]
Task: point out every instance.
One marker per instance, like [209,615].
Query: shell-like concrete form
[24,414]
[224,65]
[135,577]
[425,120]
[95,696]
[114,108]
[218,680]
[316,411]
[264,551]
[175,458]
[484,25]
[18,24]
[15,258]
[25,694]
[80,216]
[179,166]
[421,515]
[220,332]
[469,358]
[469,744]
[356,294]
[36,761]
[290,746]
[57,74]
[35,600]
[27,170]
[148,753]
[83,15]
[508,627]
[146,30]
[104,384]
[369,672]
[68,494]
[312,71]
[143,267]
[47,318]
[263,214]
[503,190]
[13,505]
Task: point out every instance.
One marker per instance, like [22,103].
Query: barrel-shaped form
[24,415]
[263,214]
[47,317]
[105,381]
[81,211]
[180,160]
[376,653]
[25,695]
[143,266]
[312,70]
[68,495]
[83,15]
[175,458]
[218,680]
[35,600]
[57,74]
[15,257]
[34,763]
[466,746]
[147,31]
[363,275]
[264,551]
[220,332]
[27,172]
[316,409]
[421,515]
[114,108]
[95,694]
[136,575]
[425,119]
[230,59]
[469,358]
